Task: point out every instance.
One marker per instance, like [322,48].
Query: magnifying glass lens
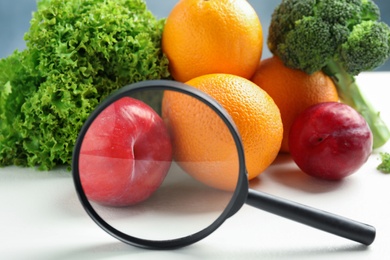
[158,165]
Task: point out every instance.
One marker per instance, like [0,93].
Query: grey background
[16,14]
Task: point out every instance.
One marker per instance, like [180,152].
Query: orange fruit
[212,36]
[200,136]
[292,90]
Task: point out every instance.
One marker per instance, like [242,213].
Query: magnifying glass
[146,170]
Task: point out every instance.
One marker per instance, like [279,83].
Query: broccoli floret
[341,38]
[297,48]
[384,166]
[363,37]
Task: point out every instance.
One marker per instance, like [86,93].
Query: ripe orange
[212,36]
[200,136]
[292,90]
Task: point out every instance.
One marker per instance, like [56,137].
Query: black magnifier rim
[238,198]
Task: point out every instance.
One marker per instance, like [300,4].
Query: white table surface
[41,217]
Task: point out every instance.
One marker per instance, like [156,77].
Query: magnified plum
[125,154]
[330,141]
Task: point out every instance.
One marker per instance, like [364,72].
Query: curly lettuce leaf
[17,82]
[384,166]
[78,52]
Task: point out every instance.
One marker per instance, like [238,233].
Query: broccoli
[340,37]
[77,52]
[384,166]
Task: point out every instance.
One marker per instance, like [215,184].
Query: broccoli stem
[351,95]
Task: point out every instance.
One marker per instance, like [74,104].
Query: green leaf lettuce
[77,53]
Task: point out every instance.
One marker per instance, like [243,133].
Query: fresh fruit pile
[213,45]
[303,100]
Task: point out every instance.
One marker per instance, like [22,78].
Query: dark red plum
[330,141]
[125,154]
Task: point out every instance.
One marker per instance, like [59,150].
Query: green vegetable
[341,38]
[77,53]
[384,166]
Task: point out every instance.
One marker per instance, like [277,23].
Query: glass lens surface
[158,165]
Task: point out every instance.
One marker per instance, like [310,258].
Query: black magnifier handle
[316,218]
